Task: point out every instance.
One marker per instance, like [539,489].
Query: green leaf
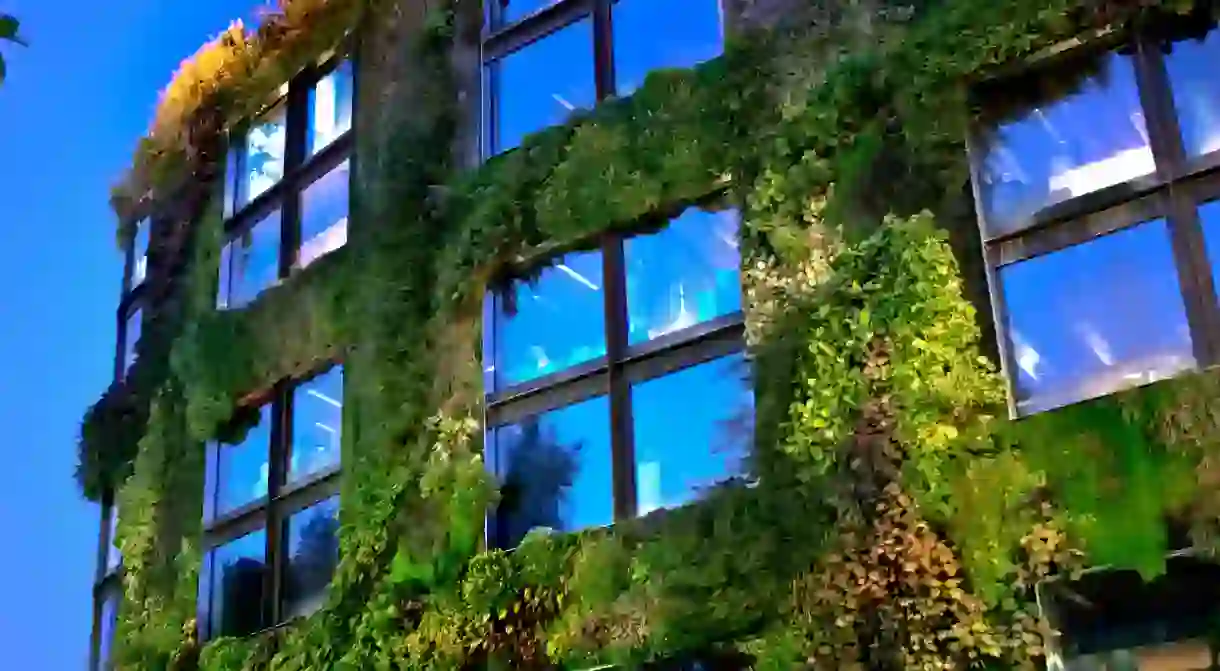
[9,26]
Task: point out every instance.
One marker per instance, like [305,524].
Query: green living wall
[900,519]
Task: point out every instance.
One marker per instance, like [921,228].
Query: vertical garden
[893,517]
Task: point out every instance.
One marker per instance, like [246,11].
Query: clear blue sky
[71,110]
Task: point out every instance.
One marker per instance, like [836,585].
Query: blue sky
[71,110]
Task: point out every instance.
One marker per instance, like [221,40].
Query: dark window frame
[300,169]
[269,513]
[621,368]
[1173,193]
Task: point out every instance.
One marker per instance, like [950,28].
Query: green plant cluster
[898,520]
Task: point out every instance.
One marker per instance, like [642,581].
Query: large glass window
[617,381]
[139,255]
[533,82]
[1101,263]
[272,501]
[131,336]
[527,344]
[106,625]
[286,185]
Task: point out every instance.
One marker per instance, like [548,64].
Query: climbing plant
[894,519]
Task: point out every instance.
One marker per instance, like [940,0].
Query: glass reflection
[231,589]
[551,324]
[110,612]
[529,101]
[317,420]
[693,429]
[233,181]
[1095,318]
[265,148]
[554,471]
[131,336]
[324,215]
[250,263]
[652,34]
[1209,217]
[113,556]
[1086,141]
[685,274]
[242,469]
[330,108]
[515,10]
[313,552]
[1196,92]
[139,267]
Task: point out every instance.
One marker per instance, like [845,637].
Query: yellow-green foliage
[899,520]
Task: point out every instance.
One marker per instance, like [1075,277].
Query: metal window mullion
[603,49]
[622,448]
[281,436]
[297,119]
[1185,232]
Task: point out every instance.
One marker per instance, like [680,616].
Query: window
[107,589]
[131,336]
[139,257]
[271,500]
[545,59]
[581,418]
[1096,192]
[286,185]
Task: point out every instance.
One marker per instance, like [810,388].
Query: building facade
[669,334]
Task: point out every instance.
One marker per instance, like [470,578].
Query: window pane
[1196,92]
[554,471]
[529,342]
[231,587]
[234,177]
[242,469]
[687,273]
[250,263]
[1095,318]
[543,83]
[265,148]
[324,215]
[113,556]
[1209,216]
[317,420]
[110,612]
[651,34]
[131,336]
[515,10]
[693,429]
[330,108]
[313,552]
[1086,141]
[139,268]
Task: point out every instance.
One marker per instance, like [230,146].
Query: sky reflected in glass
[330,108]
[542,84]
[250,263]
[135,322]
[266,143]
[113,556]
[515,10]
[651,34]
[1209,217]
[554,470]
[1082,143]
[685,274]
[242,469]
[324,209]
[231,589]
[313,552]
[559,321]
[1095,318]
[110,612]
[693,429]
[1196,92]
[139,258]
[317,423]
